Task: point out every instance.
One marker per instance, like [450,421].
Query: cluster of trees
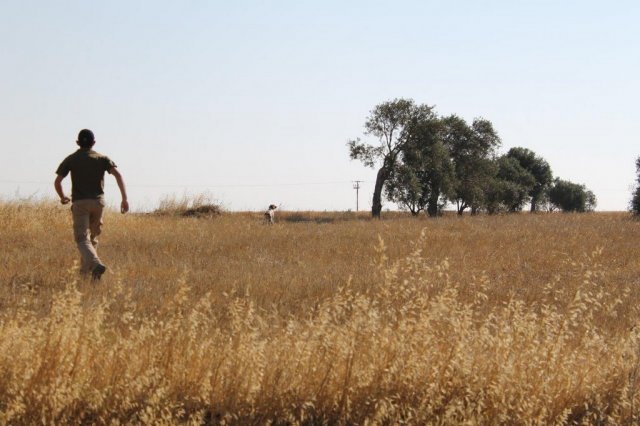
[635,201]
[426,161]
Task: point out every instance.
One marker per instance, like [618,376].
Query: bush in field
[202,205]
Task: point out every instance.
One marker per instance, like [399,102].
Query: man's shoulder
[82,156]
[71,156]
[96,154]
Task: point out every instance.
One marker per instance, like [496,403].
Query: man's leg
[95,227]
[81,230]
[95,224]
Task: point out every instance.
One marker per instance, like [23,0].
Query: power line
[249,185]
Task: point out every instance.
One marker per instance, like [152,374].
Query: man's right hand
[65,200]
[124,206]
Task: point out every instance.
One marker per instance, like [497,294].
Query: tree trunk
[533,205]
[461,208]
[376,205]
[432,204]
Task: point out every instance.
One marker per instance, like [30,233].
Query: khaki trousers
[87,224]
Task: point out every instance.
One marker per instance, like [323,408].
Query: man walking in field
[87,169]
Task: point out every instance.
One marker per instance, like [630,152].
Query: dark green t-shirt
[87,169]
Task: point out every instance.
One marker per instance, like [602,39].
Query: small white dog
[270,214]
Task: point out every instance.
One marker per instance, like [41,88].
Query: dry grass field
[323,318]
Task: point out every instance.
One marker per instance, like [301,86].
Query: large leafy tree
[472,149]
[635,201]
[438,178]
[511,188]
[539,169]
[571,197]
[389,122]
[425,175]
[405,189]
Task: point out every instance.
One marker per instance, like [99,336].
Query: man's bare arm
[57,184]
[124,205]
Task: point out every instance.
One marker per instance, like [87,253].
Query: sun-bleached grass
[189,206]
[326,318]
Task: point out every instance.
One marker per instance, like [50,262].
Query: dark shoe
[97,272]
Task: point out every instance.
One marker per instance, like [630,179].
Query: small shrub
[201,205]
[206,210]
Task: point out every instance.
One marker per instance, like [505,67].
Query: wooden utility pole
[356,186]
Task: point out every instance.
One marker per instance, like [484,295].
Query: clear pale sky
[253,102]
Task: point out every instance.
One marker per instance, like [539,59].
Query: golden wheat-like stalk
[523,319]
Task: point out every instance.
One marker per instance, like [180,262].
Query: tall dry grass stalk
[525,319]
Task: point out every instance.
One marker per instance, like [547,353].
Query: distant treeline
[427,161]
[635,200]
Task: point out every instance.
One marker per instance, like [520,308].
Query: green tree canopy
[539,169]
[472,149]
[404,188]
[571,197]
[426,173]
[511,187]
[389,123]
